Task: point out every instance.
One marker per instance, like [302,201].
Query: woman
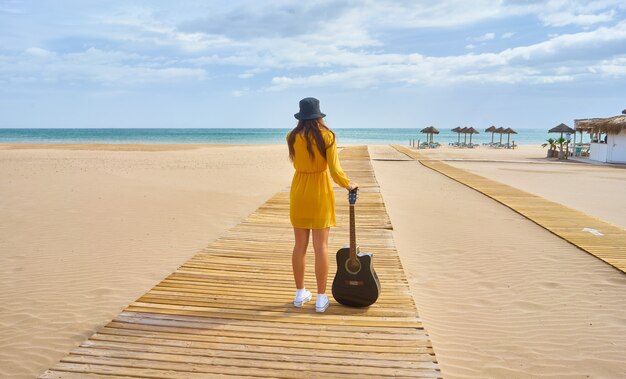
[313,150]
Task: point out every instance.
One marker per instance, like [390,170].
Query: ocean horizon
[248,136]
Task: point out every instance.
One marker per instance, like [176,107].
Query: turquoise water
[245,136]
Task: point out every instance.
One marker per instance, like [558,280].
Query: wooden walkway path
[574,226]
[227,312]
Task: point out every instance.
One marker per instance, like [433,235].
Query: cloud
[267,19]
[38,52]
[110,68]
[143,28]
[573,46]
[332,43]
[486,37]
[558,13]
[614,68]
[240,93]
[538,63]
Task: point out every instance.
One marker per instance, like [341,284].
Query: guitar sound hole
[353,267]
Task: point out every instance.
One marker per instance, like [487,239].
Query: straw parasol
[471,132]
[561,128]
[508,132]
[431,130]
[500,131]
[492,129]
[457,130]
[464,131]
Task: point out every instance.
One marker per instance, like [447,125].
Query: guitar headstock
[352,194]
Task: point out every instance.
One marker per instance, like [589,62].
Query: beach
[87,229]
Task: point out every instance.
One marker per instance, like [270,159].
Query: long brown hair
[311,130]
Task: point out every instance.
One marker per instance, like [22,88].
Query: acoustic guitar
[356,283]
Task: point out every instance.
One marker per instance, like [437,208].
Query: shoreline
[184,145]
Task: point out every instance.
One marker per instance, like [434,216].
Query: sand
[596,190]
[534,153]
[85,230]
[500,296]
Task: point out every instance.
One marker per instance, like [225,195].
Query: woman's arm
[336,172]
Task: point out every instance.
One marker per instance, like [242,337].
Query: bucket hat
[309,109]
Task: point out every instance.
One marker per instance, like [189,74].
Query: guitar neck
[352,233]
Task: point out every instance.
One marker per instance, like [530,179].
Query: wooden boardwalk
[227,312]
[574,226]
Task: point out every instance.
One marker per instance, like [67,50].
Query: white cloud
[486,37]
[585,13]
[615,67]
[566,18]
[38,52]
[142,25]
[239,93]
[92,66]
[575,43]
[538,63]
[342,48]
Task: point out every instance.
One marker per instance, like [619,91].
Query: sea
[250,136]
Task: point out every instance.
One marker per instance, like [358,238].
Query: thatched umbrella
[561,128]
[508,132]
[457,130]
[432,133]
[427,132]
[492,129]
[464,131]
[471,131]
[500,131]
[431,130]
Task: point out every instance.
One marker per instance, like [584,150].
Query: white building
[608,138]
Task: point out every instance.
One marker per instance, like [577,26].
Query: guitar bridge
[354,283]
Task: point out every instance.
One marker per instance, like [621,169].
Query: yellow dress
[312,200]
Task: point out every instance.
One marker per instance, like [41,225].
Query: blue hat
[309,109]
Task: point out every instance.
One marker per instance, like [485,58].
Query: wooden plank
[204,348]
[198,363]
[141,317]
[302,355]
[227,311]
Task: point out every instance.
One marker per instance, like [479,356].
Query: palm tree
[561,141]
[551,142]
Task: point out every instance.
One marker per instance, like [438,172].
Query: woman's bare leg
[298,257]
[320,246]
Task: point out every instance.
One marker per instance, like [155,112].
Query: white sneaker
[321,303]
[303,298]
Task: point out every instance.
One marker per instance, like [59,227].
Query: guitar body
[357,287]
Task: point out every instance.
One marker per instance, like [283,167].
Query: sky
[246,64]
